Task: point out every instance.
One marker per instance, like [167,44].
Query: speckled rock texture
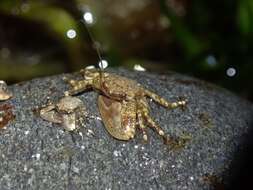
[36,154]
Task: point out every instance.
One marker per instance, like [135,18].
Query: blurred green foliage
[202,38]
[244,17]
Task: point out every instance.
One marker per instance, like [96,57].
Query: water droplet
[88,18]
[231,72]
[103,64]
[138,67]
[211,60]
[71,33]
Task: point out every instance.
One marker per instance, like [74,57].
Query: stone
[37,154]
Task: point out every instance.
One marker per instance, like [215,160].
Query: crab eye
[89,73]
[90,67]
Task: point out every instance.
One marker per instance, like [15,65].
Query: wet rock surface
[36,154]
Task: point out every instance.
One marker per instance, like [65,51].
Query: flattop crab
[122,103]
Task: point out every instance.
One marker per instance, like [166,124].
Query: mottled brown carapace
[6,114]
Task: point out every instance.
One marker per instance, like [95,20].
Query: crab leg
[141,125]
[174,143]
[156,127]
[77,86]
[47,109]
[163,102]
[143,107]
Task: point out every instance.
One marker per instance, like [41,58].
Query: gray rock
[36,154]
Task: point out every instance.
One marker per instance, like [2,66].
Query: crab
[67,112]
[122,102]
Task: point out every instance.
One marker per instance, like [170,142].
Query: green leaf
[245,17]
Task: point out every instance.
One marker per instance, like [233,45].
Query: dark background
[207,39]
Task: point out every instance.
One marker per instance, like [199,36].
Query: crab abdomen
[119,118]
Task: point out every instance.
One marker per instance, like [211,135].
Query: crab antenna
[96,46]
